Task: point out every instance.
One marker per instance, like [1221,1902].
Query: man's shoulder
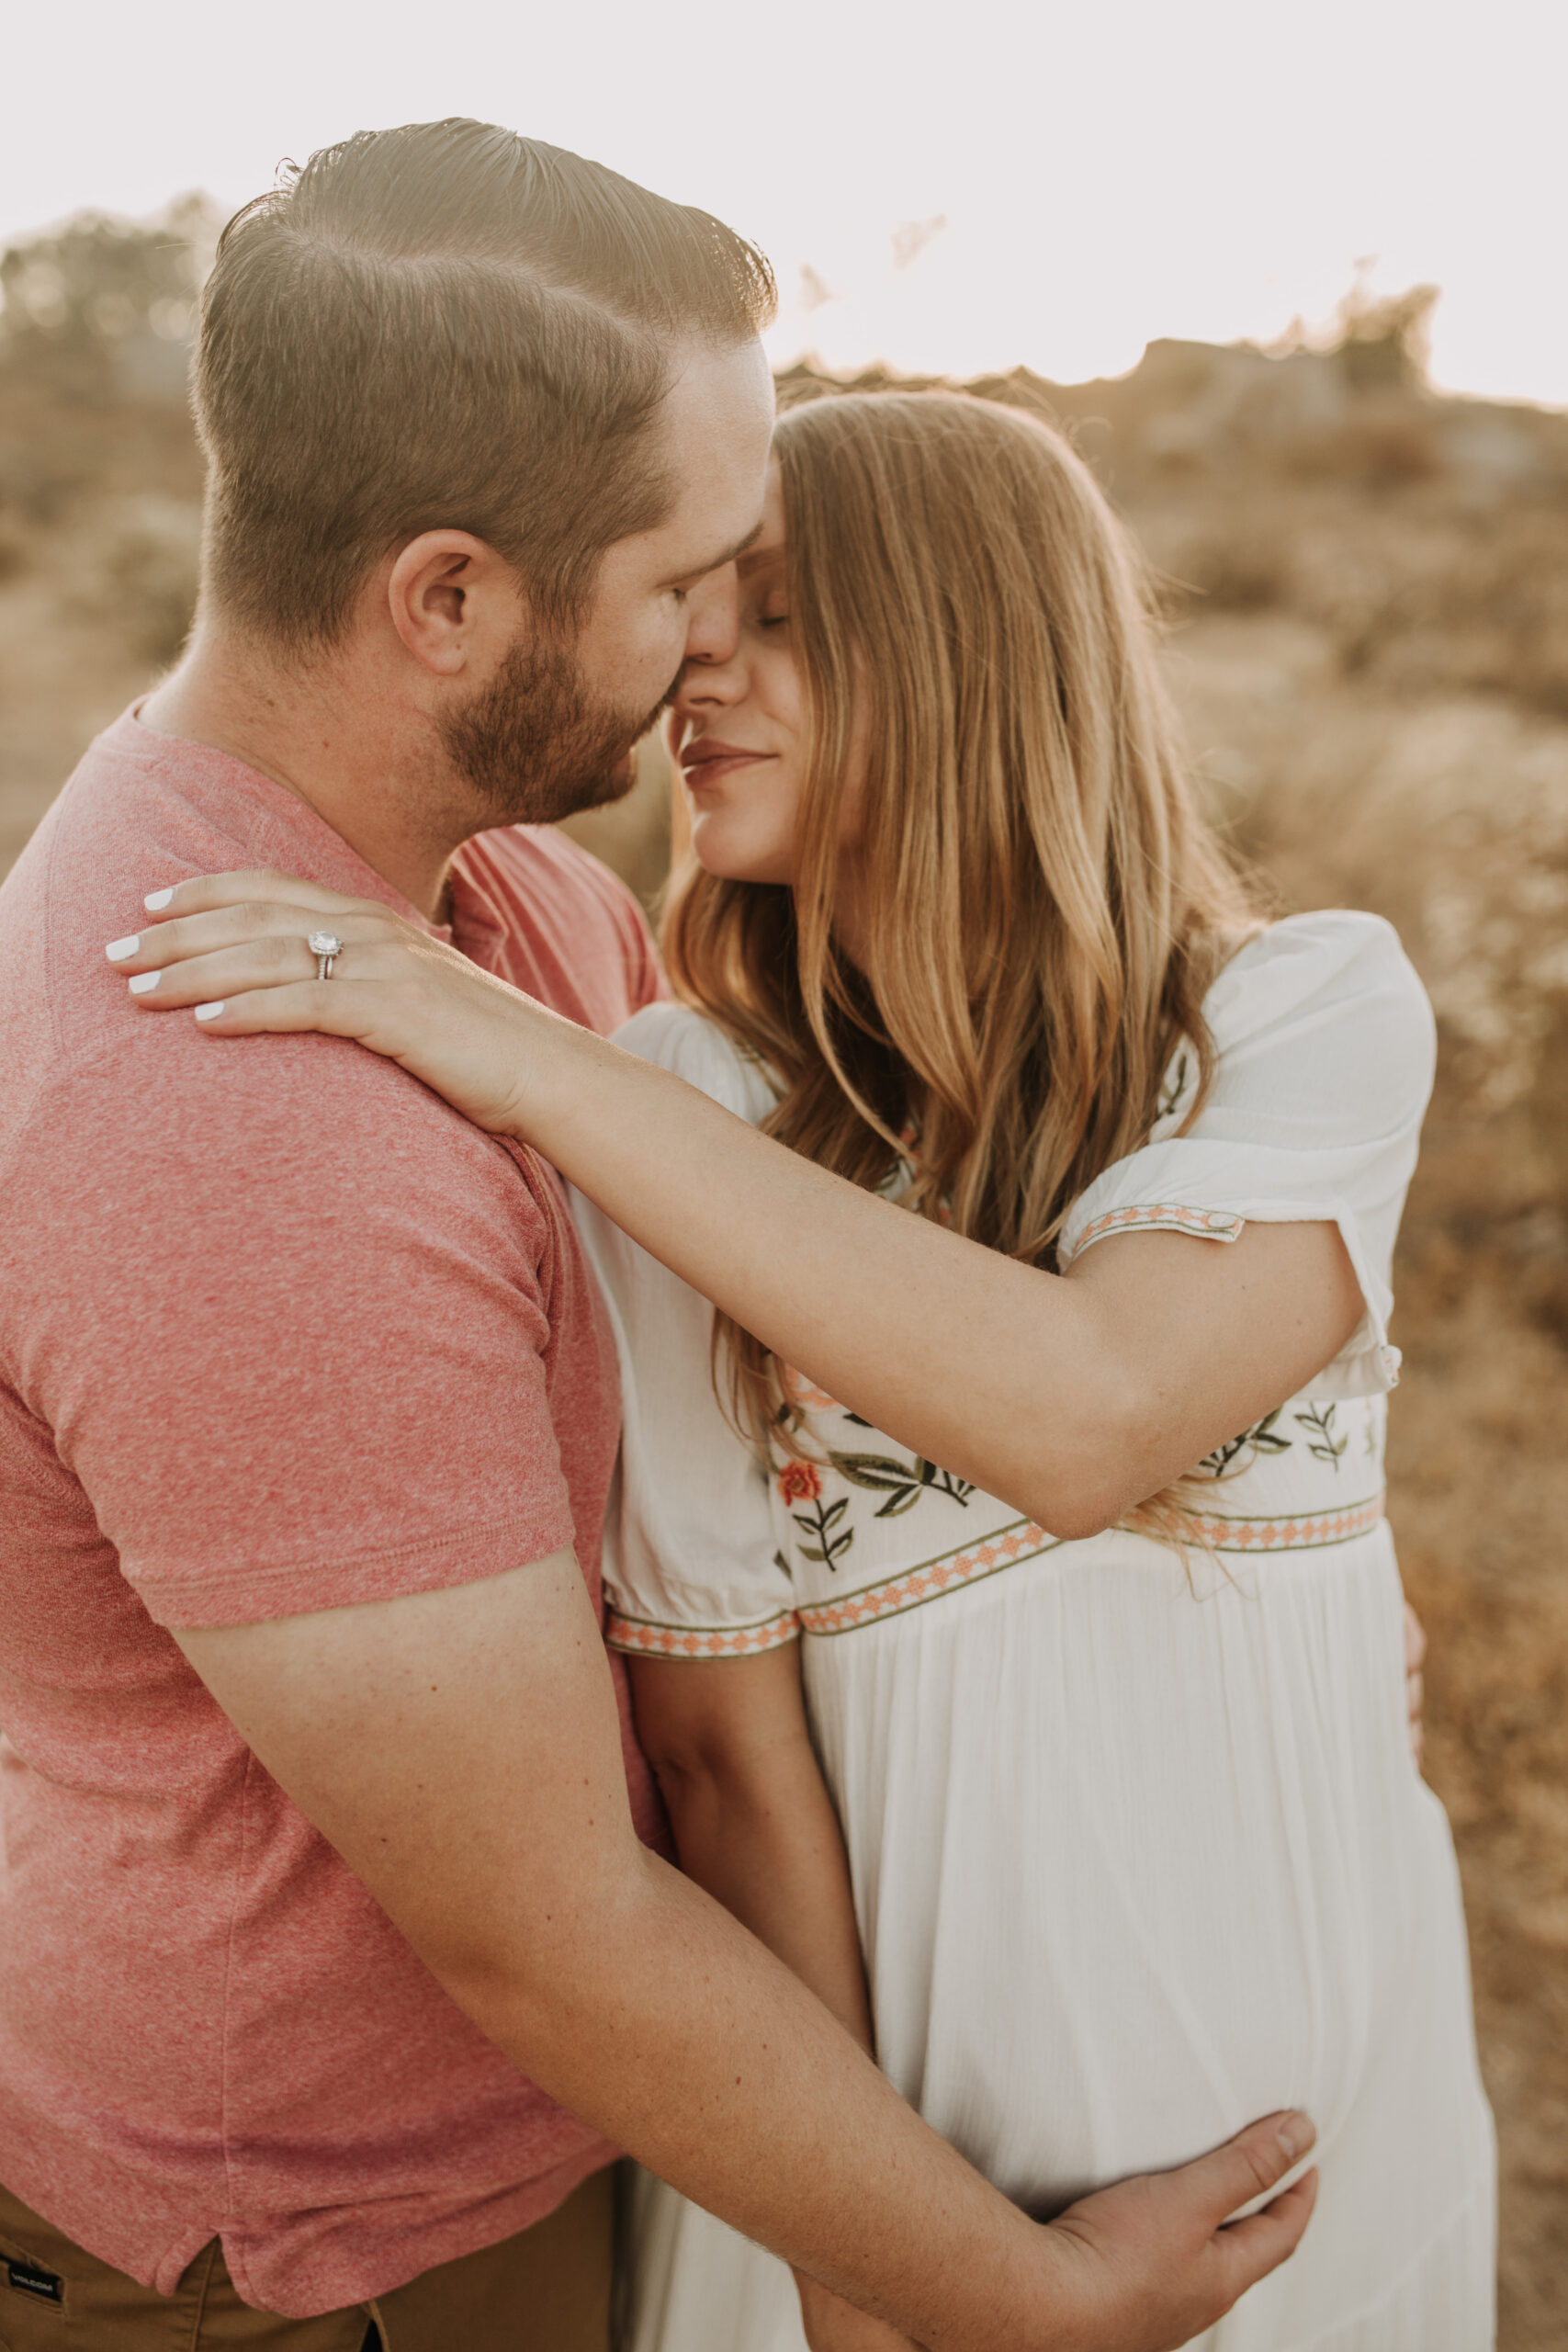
[92,1083]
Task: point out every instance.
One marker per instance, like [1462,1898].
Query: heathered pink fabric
[278,1331]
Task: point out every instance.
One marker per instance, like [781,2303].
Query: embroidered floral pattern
[825,1526]
[1302,1531]
[1010,1546]
[1160,1216]
[800,1482]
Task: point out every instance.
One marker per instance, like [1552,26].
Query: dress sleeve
[692,1565]
[1325,1050]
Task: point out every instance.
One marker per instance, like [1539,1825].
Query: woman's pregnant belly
[1139,1858]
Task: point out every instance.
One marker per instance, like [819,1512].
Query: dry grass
[1373,659]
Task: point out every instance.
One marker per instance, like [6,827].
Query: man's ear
[454,602]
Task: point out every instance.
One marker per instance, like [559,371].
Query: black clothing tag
[32,2278]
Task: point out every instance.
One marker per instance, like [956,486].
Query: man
[326,1917]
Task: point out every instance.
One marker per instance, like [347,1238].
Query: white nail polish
[119,949]
[156,900]
[209,1012]
[143,982]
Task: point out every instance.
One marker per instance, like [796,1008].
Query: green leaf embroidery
[879,1471]
[1328,1444]
[903,1483]
[1262,1437]
[820,1521]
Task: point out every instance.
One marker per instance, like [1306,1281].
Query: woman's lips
[706,765]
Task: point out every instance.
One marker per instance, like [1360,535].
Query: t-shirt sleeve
[691,1566]
[1326,1049]
[292,1328]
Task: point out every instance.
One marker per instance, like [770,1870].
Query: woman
[1082,1589]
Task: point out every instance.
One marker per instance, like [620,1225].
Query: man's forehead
[714,559]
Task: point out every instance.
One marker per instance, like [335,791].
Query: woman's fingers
[240,960]
[253,965]
[250,918]
[338,1008]
[278,932]
[201,893]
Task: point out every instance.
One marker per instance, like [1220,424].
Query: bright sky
[1102,172]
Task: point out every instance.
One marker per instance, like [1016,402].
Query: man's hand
[1153,2261]
[1414,1685]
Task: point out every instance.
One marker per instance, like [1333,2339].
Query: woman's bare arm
[1072,1397]
[755,1827]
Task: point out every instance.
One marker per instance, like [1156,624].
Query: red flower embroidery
[799,1483]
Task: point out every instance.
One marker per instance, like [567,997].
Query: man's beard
[534,745]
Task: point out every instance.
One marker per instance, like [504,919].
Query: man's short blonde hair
[446,325]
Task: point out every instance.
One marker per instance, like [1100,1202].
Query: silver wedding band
[326,947]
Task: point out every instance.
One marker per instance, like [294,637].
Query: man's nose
[713,627]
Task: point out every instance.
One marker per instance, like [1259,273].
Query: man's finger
[1246,2251]
[1250,2164]
[1415,1641]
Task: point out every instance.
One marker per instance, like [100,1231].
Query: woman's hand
[232,947]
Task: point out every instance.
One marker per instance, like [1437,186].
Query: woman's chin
[731,861]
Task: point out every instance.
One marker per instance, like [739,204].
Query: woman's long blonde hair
[1040,908]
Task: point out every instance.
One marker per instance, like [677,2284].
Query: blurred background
[1294,283]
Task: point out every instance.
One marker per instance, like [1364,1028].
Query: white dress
[1138,1848]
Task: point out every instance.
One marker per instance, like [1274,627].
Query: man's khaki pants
[547,2290]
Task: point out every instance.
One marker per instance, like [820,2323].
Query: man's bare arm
[461,1749]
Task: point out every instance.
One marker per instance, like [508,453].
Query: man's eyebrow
[717,562]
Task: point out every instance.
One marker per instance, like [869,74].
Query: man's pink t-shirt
[278,1331]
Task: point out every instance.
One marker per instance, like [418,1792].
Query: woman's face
[737,724]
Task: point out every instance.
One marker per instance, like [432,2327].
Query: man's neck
[353,750]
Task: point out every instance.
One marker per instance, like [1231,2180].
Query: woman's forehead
[768,543]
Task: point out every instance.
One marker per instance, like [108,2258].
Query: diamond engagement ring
[326,947]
